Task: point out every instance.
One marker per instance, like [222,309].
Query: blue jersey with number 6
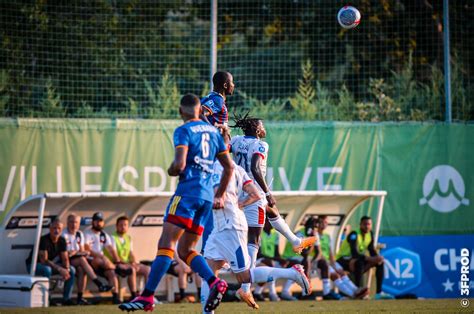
[204,143]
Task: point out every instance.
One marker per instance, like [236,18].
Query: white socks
[287,286]
[258,289]
[343,287]
[253,251]
[246,286]
[265,274]
[326,286]
[346,280]
[280,225]
[272,288]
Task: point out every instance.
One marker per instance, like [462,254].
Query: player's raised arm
[256,169]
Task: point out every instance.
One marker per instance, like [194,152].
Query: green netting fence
[290,59]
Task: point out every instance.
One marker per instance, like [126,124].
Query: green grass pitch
[395,306]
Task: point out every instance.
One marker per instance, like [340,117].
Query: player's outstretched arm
[228,171]
[255,167]
[179,162]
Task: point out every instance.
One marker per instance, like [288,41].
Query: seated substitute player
[127,262]
[352,256]
[214,108]
[96,242]
[228,241]
[329,268]
[53,259]
[197,146]
[302,258]
[251,153]
[77,257]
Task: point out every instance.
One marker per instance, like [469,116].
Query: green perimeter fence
[290,59]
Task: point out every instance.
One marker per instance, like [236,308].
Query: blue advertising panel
[429,266]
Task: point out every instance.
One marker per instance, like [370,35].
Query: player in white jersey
[251,153]
[75,240]
[228,240]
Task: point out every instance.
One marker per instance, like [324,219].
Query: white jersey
[74,241]
[97,241]
[231,216]
[243,148]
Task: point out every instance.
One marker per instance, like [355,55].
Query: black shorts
[344,262]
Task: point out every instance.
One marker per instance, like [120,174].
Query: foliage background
[290,59]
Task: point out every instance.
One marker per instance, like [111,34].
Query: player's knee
[253,237]
[47,271]
[323,265]
[83,262]
[72,271]
[272,212]
[183,252]
[360,263]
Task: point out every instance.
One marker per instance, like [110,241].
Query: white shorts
[255,213]
[229,245]
[338,267]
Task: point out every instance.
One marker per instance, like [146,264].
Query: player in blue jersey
[197,146]
[214,108]
[214,111]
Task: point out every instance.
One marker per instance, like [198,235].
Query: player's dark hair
[365,218]
[120,219]
[322,217]
[309,222]
[220,78]
[246,123]
[56,221]
[190,100]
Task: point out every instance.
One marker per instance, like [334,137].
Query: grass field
[396,306]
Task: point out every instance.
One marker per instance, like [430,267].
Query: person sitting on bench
[53,259]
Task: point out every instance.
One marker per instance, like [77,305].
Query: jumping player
[197,145]
[251,153]
[228,241]
[214,108]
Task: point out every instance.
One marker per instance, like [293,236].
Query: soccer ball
[348,17]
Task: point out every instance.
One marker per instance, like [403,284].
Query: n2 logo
[402,270]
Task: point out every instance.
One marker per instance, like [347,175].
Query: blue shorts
[188,213]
